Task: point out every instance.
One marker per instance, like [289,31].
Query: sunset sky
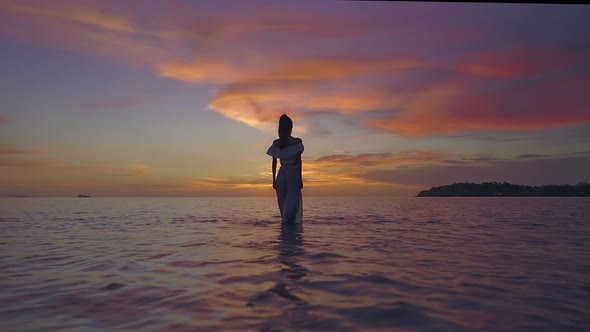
[182,98]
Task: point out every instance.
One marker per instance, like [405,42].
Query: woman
[289,182]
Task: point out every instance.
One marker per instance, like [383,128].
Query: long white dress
[289,195]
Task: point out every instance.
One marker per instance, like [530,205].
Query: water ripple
[209,264]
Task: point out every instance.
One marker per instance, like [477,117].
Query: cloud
[134,170]
[351,169]
[408,171]
[331,170]
[256,103]
[3,119]
[6,149]
[378,159]
[310,69]
[411,170]
[209,70]
[335,68]
[519,60]
[422,100]
[26,163]
[72,11]
[231,183]
[531,155]
[94,28]
[556,169]
[315,129]
[469,68]
[300,87]
[520,106]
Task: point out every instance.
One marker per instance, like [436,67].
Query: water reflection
[290,249]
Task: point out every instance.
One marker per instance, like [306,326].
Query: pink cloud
[470,105]
[95,28]
[97,15]
[293,58]
[210,70]
[304,84]
[518,60]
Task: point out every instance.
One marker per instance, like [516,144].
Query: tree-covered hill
[505,189]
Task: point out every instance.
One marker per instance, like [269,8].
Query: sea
[355,264]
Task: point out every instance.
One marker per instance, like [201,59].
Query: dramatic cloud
[456,84]
[95,28]
[328,170]
[433,104]
[264,60]
[519,105]
[417,169]
[557,169]
[71,11]
[345,168]
[520,60]
[202,71]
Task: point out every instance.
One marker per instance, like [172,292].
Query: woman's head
[285,129]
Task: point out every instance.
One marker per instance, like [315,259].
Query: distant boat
[83,195]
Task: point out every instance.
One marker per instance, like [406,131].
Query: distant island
[83,196]
[505,189]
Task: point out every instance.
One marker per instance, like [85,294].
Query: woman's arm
[300,166]
[274,172]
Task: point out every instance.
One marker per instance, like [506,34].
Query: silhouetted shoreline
[505,189]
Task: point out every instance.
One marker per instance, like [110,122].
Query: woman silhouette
[289,182]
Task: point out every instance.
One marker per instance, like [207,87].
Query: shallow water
[210,264]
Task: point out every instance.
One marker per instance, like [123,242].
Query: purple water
[211,264]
